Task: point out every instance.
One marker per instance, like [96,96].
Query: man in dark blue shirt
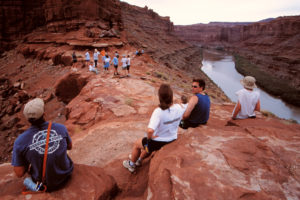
[197,111]
[29,149]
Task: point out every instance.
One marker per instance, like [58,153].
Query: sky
[184,12]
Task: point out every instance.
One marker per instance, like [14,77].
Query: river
[221,69]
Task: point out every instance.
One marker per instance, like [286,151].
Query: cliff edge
[225,159]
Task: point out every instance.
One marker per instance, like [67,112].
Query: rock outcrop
[250,159]
[225,159]
[246,159]
[86,183]
[141,24]
[22,17]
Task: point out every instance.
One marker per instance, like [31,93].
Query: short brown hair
[165,95]
[184,99]
[201,82]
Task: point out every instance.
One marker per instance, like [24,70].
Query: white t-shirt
[96,55]
[106,60]
[165,122]
[87,56]
[248,100]
[128,61]
[92,68]
[124,61]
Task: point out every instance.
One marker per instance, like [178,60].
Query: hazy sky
[184,12]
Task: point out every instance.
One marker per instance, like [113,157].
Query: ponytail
[165,94]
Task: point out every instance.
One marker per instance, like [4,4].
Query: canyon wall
[146,29]
[201,34]
[21,17]
[105,114]
[273,46]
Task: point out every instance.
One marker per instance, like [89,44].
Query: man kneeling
[162,128]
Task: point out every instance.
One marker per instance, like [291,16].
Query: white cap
[34,109]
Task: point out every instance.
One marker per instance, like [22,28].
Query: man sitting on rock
[197,111]
[162,128]
[248,100]
[29,149]
[92,68]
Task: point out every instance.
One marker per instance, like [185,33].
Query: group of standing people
[107,61]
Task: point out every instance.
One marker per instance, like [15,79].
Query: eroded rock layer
[105,114]
[273,46]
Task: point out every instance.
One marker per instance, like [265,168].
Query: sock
[132,164]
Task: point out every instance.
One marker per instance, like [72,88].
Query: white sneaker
[137,163]
[126,164]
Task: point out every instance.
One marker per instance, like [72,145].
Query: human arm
[19,171]
[153,124]
[69,146]
[191,105]
[150,132]
[68,139]
[18,161]
[257,106]
[237,109]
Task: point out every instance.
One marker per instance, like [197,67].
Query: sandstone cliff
[104,114]
[43,55]
[272,46]
[21,17]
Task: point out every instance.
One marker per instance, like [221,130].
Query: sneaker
[126,164]
[137,163]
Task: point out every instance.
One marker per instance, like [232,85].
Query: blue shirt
[29,148]
[106,62]
[115,60]
[200,113]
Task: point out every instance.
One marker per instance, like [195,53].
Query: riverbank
[269,83]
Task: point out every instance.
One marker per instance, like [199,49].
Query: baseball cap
[34,109]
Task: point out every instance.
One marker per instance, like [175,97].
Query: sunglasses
[194,86]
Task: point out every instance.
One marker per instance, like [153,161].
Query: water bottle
[30,185]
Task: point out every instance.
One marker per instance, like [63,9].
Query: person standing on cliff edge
[87,57]
[29,150]
[248,100]
[96,54]
[74,58]
[197,111]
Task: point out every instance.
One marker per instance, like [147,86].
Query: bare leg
[136,150]
[144,154]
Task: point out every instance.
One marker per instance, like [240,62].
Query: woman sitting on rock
[162,128]
[248,100]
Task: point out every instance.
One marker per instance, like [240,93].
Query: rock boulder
[86,183]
